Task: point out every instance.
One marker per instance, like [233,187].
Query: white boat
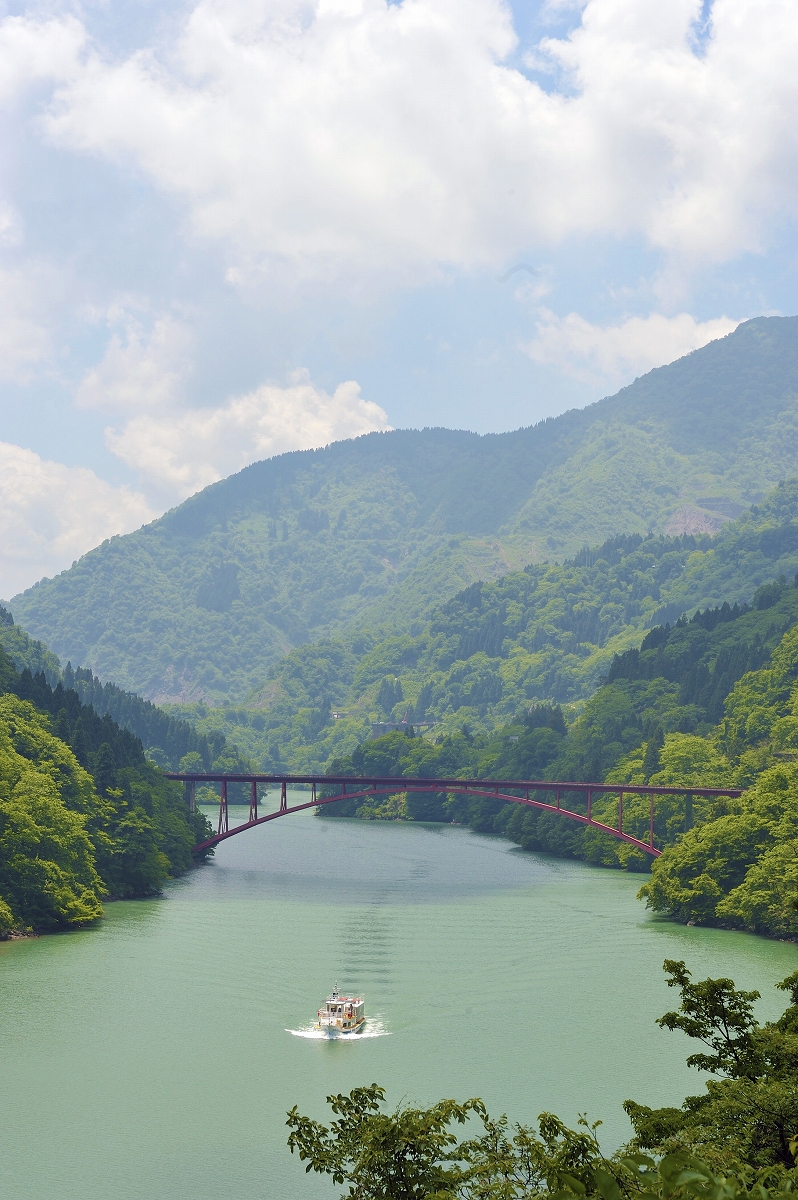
[341,1014]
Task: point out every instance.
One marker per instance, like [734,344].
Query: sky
[230,229]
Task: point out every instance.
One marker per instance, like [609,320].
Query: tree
[651,756]
[389,693]
[747,1118]
[717,1014]
[403,1155]
[78,743]
[104,769]
[413,1154]
[48,878]
[191,763]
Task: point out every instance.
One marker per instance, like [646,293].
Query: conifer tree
[651,758]
[78,743]
[61,729]
[104,769]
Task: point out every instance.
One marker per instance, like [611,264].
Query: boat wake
[374,1027]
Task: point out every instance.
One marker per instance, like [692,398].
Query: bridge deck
[357,787]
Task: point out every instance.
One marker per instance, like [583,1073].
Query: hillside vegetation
[167,740]
[83,815]
[374,533]
[712,701]
[548,632]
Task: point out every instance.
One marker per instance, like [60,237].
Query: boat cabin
[342,1013]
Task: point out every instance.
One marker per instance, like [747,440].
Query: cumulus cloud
[51,514]
[364,139]
[139,370]
[608,355]
[34,51]
[26,298]
[184,450]
[177,449]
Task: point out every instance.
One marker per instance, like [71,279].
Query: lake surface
[150,1058]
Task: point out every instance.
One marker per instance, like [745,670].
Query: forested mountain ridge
[166,739]
[376,532]
[83,815]
[548,632]
[25,651]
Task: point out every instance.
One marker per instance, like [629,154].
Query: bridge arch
[512,791]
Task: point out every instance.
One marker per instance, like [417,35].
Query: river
[150,1058]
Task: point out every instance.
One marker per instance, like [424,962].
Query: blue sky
[230,229]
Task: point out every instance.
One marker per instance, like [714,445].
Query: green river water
[150,1058]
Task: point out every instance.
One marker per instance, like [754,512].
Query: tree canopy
[83,815]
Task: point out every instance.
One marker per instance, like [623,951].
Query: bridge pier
[224,817]
[253,801]
[190,785]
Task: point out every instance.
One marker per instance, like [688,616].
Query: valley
[651,657]
[398,600]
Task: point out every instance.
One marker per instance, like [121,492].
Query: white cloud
[368,140]
[34,51]
[138,371]
[51,514]
[608,355]
[177,449]
[183,451]
[26,297]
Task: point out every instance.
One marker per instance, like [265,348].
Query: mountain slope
[548,632]
[165,738]
[378,531]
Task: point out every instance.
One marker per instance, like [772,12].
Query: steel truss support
[224,816]
[502,789]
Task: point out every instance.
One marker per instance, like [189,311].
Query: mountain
[375,533]
[548,632]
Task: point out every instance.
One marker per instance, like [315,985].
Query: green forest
[709,701]
[737,1139]
[372,535]
[168,741]
[547,632]
[84,817]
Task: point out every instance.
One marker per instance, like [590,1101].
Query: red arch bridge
[548,795]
